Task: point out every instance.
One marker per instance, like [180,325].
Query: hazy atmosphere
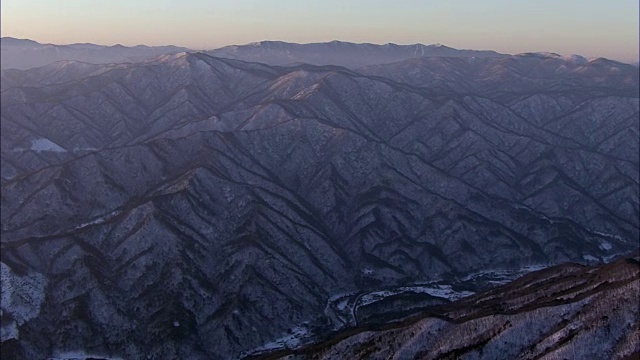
[259,180]
[591,28]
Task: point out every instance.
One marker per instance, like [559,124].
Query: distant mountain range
[201,207]
[339,53]
[26,54]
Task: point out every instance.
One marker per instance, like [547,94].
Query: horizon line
[634,62]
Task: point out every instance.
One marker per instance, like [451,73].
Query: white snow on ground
[99,220]
[338,309]
[575,59]
[489,273]
[9,331]
[22,297]
[293,340]
[532,268]
[504,276]
[605,245]
[446,291]
[441,291]
[589,258]
[610,257]
[376,296]
[610,236]
[46,145]
[342,305]
[336,297]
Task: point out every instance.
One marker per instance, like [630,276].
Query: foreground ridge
[566,311]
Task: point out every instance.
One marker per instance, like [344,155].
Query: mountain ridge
[553,288]
[17,53]
[350,55]
[218,194]
[26,54]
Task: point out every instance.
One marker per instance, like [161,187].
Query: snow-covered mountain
[161,204]
[339,53]
[26,54]
[564,312]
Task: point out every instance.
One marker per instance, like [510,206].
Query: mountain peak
[11,41]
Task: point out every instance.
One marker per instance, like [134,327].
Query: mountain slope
[162,204]
[567,311]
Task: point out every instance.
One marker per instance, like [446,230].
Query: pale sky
[607,28]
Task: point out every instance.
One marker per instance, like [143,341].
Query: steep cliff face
[563,312]
[164,204]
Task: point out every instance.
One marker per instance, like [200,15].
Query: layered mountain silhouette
[26,54]
[150,207]
[340,53]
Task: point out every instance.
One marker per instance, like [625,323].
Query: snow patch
[532,268]
[375,296]
[605,245]
[503,276]
[99,220]
[293,340]
[589,258]
[441,291]
[9,331]
[342,305]
[46,145]
[22,297]
[85,149]
[42,145]
[610,236]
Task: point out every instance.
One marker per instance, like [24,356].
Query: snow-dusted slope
[566,312]
[237,199]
